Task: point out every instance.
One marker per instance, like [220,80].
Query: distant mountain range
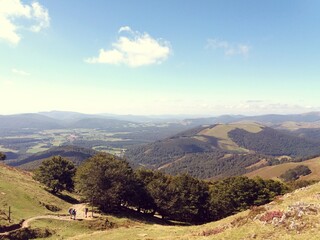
[64,119]
[268,119]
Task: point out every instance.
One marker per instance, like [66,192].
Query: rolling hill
[221,150]
[267,119]
[28,121]
[73,153]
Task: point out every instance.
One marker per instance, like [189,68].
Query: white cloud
[125,29]
[229,48]
[19,72]
[41,15]
[134,50]
[10,10]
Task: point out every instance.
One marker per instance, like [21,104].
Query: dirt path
[80,216]
[26,223]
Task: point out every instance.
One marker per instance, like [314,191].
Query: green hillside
[292,216]
[26,197]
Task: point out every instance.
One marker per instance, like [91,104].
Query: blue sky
[160,57]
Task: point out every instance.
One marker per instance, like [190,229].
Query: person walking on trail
[74,213]
[70,212]
[86,212]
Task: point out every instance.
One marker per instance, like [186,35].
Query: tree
[2,156]
[295,173]
[144,200]
[192,199]
[105,180]
[56,173]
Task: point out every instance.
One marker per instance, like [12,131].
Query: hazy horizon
[164,116]
[205,58]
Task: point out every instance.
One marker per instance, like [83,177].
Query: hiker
[86,212]
[70,212]
[74,213]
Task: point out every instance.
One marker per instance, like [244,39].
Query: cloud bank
[35,18]
[133,49]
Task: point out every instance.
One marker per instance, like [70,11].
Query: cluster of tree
[215,163]
[295,173]
[2,156]
[274,143]
[110,183]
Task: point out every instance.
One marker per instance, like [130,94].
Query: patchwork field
[31,143]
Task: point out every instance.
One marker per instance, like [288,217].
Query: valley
[31,143]
[236,159]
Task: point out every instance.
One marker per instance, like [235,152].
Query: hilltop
[221,150]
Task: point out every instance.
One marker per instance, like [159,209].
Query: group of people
[73,213]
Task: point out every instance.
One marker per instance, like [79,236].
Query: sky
[147,57]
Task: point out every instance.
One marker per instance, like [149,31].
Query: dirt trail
[80,216]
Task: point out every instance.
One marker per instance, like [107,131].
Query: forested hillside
[274,143]
[222,150]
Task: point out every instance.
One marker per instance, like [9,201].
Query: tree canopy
[106,180]
[56,173]
[109,183]
[2,156]
[295,173]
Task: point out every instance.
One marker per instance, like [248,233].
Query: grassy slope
[235,227]
[23,194]
[275,171]
[221,131]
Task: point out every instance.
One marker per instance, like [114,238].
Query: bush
[295,173]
